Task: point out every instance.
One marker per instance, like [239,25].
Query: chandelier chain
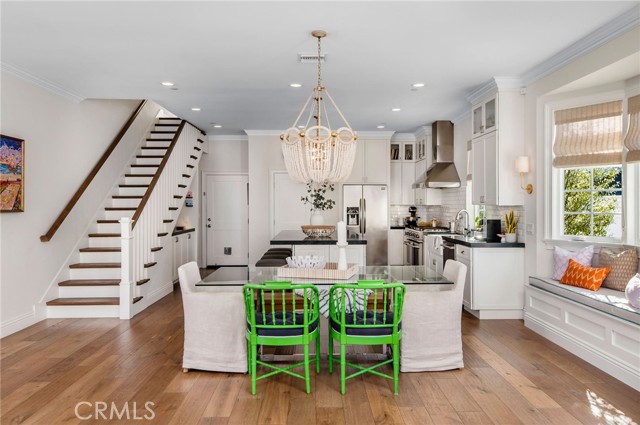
[319,65]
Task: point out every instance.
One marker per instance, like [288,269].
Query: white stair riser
[124,203]
[67,311]
[163,136]
[138,191]
[95,274]
[153,152]
[116,215]
[142,170]
[88,291]
[108,228]
[138,180]
[158,144]
[153,161]
[173,127]
[106,242]
[100,257]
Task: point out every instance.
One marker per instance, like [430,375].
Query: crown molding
[41,82]
[403,137]
[228,137]
[263,132]
[463,116]
[612,30]
[375,135]
[423,130]
[494,85]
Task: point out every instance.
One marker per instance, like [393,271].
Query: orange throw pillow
[584,276]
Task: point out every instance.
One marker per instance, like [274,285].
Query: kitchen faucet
[465,230]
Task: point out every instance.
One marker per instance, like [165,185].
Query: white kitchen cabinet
[402,177]
[497,142]
[395,247]
[183,250]
[484,116]
[395,183]
[370,165]
[319,250]
[402,151]
[494,288]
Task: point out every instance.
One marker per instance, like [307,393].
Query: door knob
[208,225]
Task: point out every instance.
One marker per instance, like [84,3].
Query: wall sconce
[522,167]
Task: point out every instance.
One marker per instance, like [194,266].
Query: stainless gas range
[415,253]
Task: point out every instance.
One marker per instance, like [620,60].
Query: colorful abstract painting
[11,174]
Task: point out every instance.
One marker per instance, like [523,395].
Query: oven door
[413,253]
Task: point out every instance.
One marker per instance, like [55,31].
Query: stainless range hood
[442,173]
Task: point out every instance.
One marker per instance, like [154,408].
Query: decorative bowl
[306,261]
[318,231]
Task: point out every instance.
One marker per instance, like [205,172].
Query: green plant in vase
[511,225]
[316,196]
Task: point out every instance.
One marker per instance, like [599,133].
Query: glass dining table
[416,278]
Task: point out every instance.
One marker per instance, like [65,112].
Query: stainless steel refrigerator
[365,208]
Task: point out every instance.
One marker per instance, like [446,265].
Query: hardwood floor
[511,376]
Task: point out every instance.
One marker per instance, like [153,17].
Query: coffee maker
[412,220]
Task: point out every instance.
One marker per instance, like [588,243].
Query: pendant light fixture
[317,153]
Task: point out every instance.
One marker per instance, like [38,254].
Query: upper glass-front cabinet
[483,117]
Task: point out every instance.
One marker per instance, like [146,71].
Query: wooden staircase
[92,289]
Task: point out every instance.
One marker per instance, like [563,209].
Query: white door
[227,220]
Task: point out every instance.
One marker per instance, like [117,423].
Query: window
[592,202]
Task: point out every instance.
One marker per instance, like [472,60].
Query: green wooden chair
[277,316]
[378,322]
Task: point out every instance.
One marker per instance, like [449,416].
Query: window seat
[599,327]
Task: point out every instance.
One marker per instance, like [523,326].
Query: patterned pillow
[561,259]
[623,265]
[584,276]
[632,291]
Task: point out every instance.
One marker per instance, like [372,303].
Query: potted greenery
[316,197]
[511,226]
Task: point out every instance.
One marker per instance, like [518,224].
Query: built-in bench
[274,257]
[600,327]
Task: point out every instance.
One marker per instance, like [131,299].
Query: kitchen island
[326,247]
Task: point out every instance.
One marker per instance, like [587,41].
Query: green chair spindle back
[281,314]
[366,313]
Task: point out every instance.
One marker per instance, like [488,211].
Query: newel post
[126,271]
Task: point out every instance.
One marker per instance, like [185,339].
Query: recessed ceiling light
[173,88]
[195,109]
[295,85]
[167,83]
[381,126]
[417,85]
[217,126]
[395,109]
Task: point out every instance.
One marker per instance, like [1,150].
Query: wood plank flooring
[511,376]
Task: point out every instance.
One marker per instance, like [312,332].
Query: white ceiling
[235,60]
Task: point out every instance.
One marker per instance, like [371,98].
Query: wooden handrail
[156,177]
[94,171]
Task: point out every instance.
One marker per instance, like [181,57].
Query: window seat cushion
[606,300]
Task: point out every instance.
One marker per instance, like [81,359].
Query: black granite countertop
[296,237]
[183,231]
[474,243]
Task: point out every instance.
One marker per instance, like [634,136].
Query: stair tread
[136,299]
[104,235]
[162,132]
[142,281]
[90,282]
[190,166]
[120,208]
[84,301]
[200,140]
[156,249]
[150,156]
[145,165]
[139,175]
[186,176]
[182,186]
[127,196]
[177,197]
[161,234]
[160,124]
[154,147]
[95,266]
[173,208]
[158,140]
[193,157]
[170,118]
[108,221]
[197,148]
[167,221]
[133,185]
[100,249]
[153,263]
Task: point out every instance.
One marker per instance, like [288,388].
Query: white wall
[538,256]
[63,141]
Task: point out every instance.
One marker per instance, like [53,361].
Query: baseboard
[586,352]
[496,314]
[16,324]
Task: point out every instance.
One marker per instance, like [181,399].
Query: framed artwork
[11,174]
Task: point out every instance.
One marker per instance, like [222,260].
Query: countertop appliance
[366,214]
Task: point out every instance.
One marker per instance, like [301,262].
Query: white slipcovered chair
[431,325]
[214,325]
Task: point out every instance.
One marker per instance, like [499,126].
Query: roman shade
[588,136]
[632,141]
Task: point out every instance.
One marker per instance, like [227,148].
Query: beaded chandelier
[316,153]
